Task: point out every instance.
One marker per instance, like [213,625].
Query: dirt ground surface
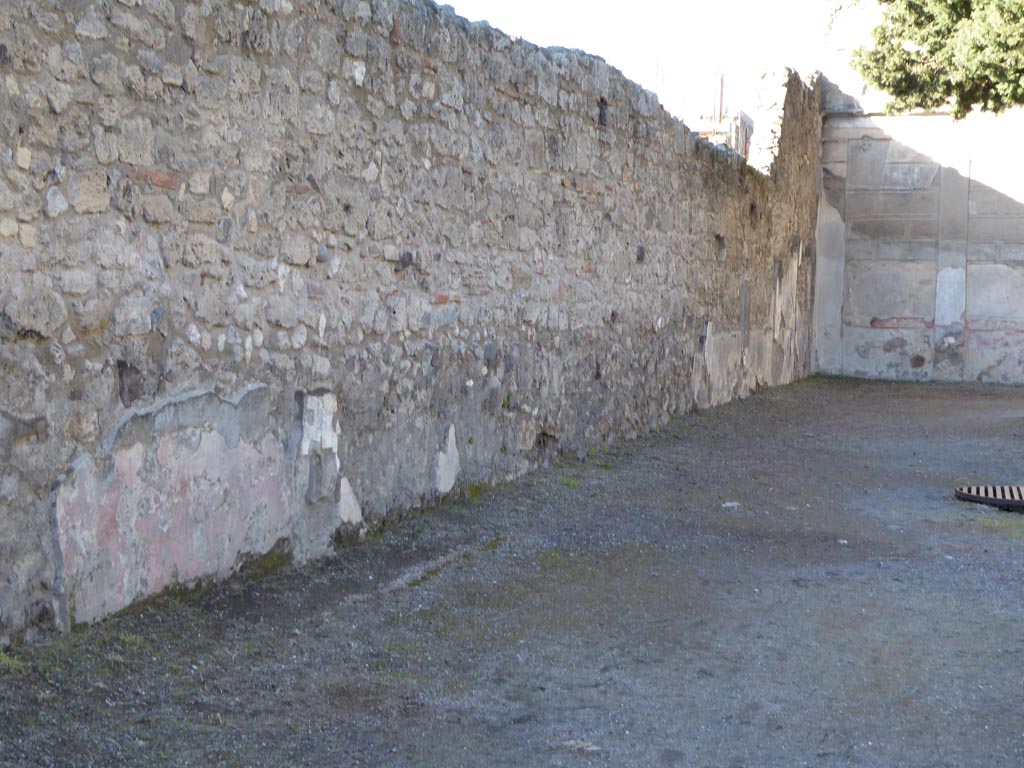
[783,581]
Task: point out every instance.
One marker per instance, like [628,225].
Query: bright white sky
[677,48]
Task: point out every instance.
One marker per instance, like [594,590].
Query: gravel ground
[783,581]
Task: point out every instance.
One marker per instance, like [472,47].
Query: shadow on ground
[783,581]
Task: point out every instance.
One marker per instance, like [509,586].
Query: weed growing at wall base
[11,665]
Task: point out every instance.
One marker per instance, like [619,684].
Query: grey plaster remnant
[950,296]
[448,466]
[110,439]
[348,504]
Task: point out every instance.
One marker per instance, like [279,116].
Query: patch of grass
[375,535]
[475,490]
[1008,524]
[181,594]
[61,652]
[277,559]
[506,404]
[571,482]
[130,640]
[116,662]
[493,544]
[426,576]
[11,665]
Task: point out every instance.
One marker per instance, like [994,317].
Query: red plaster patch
[894,344]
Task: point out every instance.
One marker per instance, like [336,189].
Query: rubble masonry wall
[271,271]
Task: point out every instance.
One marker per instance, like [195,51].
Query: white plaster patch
[348,504]
[354,70]
[950,296]
[829,287]
[448,464]
[785,305]
[318,431]
[321,367]
[723,353]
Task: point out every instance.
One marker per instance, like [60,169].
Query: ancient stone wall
[270,271]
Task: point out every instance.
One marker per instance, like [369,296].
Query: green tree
[930,54]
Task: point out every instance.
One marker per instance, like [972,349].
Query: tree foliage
[931,54]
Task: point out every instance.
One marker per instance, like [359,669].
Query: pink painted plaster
[181,511]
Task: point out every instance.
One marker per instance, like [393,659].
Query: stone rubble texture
[271,272]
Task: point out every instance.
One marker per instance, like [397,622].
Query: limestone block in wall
[55,203]
[31,305]
[88,192]
[157,209]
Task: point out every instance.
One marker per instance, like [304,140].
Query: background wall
[269,273]
[921,265]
